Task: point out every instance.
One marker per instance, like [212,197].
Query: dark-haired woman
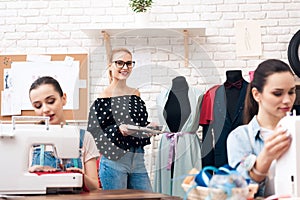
[257,144]
[48,99]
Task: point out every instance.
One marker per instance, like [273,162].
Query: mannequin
[179,147]
[177,108]
[228,105]
[233,92]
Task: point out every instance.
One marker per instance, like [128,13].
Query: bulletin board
[78,114]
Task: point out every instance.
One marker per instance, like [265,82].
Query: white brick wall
[54,26]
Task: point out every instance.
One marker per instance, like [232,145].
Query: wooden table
[102,194]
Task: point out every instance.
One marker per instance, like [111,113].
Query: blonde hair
[113,53]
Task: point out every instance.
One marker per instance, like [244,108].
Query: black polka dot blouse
[105,117]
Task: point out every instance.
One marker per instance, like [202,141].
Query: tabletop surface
[100,194]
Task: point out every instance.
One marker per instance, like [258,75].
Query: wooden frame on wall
[71,115]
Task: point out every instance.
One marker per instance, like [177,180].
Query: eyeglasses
[120,64]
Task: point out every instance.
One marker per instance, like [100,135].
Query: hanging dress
[184,154]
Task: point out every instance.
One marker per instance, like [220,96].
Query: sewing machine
[16,142]
[287,170]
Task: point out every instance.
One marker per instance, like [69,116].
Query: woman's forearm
[91,180]
[91,183]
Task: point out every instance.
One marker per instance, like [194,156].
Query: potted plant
[140,6]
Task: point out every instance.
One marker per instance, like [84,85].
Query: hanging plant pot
[293,53]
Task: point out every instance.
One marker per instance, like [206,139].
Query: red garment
[206,112]
[55,172]
[98,168]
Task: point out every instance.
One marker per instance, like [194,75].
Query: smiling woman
[118,108]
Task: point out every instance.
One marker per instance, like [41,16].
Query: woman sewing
[261,141]
[48,99]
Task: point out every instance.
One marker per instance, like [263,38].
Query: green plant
[140,5]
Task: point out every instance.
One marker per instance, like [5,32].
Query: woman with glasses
[122,162]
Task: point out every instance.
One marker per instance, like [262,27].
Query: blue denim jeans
[49,159]
[129,172]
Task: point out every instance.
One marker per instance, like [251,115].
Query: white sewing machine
[15,144]
[287,170]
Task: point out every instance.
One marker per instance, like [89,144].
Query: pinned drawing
[248,38]
[7,79]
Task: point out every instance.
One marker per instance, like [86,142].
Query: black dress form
[233,91]
[177,108]
[228,108]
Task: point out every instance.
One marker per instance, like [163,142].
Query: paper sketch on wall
[248,38]
[7,79]
[25,73]
[8,105]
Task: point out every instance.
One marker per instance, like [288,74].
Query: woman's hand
[152,124]
[124,130]
[74,169]
[155,127]
[276,144]
[40,168]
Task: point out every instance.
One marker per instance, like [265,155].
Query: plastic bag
[230,186]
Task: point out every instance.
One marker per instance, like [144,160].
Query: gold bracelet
[258,173]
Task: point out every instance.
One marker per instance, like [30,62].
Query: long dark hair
[44,80]
[262,72]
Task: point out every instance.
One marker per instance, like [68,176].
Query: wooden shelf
[148,31]
[145,32]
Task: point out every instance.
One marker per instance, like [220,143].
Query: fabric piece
[87,147]
[47,158]
[207,106]
[45,173]
[173,144]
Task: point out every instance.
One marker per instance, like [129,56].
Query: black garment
[177,108]
[227,114]
[105,117]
